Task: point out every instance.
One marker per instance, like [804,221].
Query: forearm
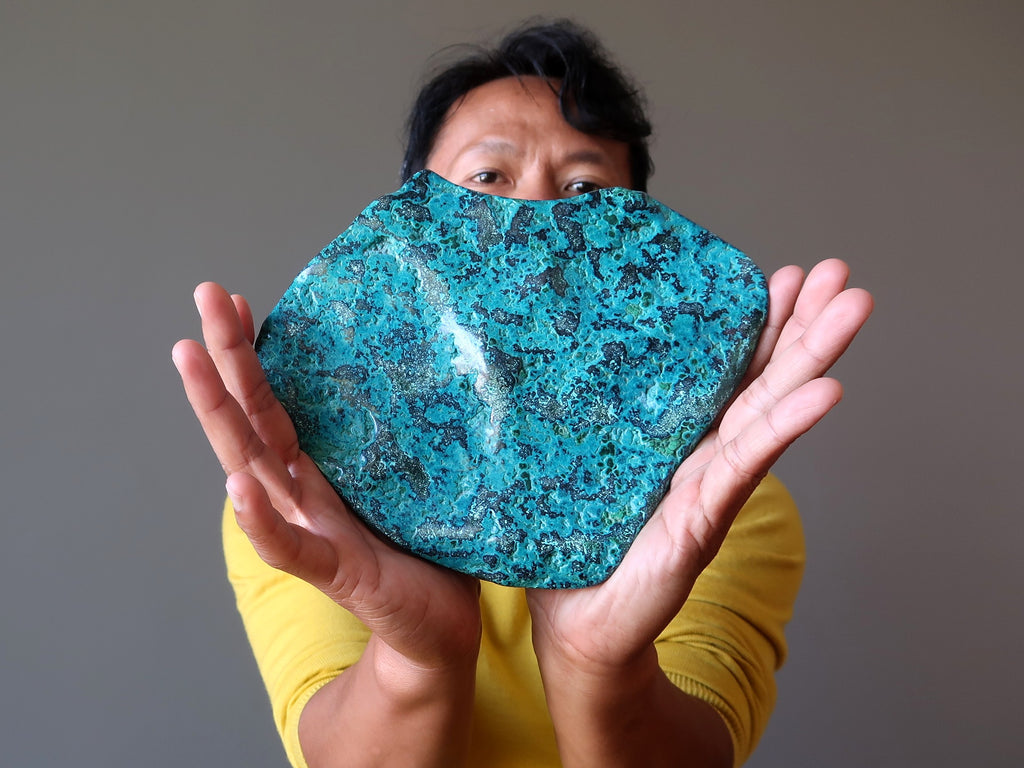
[630,715]
[385,711]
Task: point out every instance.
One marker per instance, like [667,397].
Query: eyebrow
[510,149]
[497,146]
[589,156]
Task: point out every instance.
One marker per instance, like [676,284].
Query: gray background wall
[145,147]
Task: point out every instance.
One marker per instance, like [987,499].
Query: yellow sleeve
[301,638]
[727,642]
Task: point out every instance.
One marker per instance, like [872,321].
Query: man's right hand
[291,514]
[419,667]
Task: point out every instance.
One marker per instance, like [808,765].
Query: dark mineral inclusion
[504,386]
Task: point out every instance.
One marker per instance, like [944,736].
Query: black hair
[595,96]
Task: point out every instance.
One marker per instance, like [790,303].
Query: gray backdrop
[145,147]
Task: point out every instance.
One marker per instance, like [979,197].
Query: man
[373,657]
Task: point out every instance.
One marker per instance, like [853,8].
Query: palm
[419,609]
[783,395]
[292,515]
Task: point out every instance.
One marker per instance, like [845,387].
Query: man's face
[508,137]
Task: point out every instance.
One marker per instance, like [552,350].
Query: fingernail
[232,494]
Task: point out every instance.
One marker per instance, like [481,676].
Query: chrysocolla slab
[505,386]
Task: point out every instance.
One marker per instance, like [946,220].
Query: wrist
[409,683]
[351,721]
[597,683]
[629,713]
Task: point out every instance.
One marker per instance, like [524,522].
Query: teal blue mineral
[505,386]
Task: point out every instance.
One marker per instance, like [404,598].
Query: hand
[609,700]
[292,515]
[811,322]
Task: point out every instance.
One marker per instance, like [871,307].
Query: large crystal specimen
[505,386]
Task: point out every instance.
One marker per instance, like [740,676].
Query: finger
[824,282]
[229,347]
[829,335]
[758,447]
[280,543]
[697,459]
[809,357]
[694,517]
[225,335]
[783,288]
[245,317]
[742,462]
[227,428]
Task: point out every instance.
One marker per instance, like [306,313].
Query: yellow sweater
[723,648]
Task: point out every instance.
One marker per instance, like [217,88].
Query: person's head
[546,88]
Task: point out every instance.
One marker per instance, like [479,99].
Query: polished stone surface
[505,386]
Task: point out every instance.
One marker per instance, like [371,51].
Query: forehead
[518,115]
[508,100]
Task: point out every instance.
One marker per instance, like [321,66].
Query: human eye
[485,177]
[581,187]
